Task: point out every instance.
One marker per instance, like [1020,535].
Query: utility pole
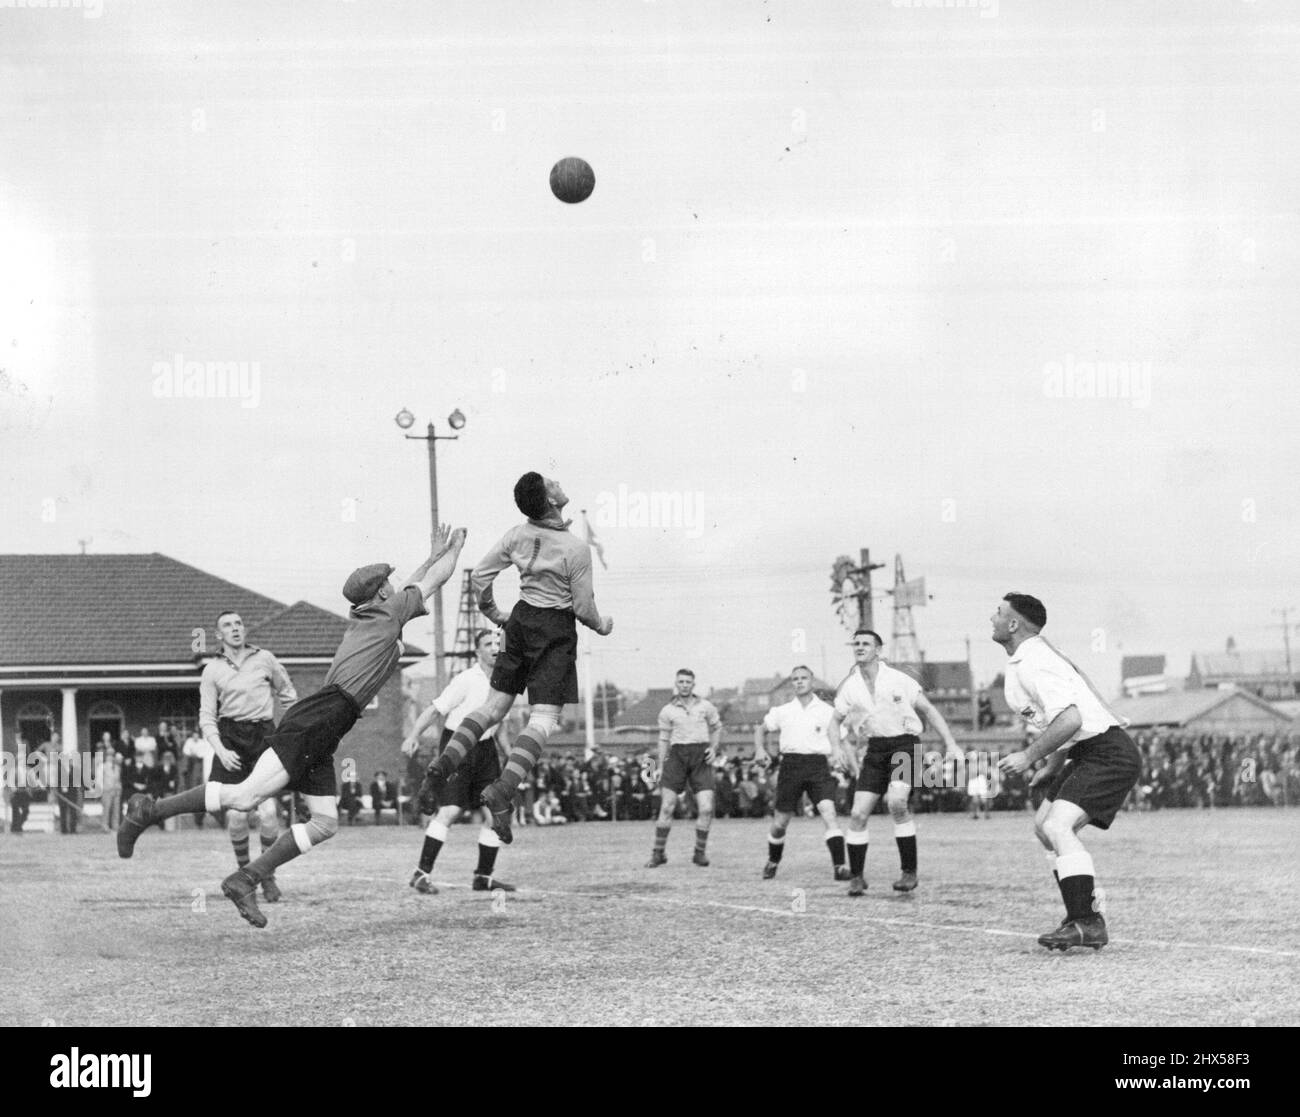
[1286,643]
[456,420]
[862,579]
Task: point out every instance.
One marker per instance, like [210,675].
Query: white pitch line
[786,913]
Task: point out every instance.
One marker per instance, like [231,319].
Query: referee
[235,707]
[1091,767]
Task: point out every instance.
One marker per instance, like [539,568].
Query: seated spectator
[350,799]
[546,810]
[383,793]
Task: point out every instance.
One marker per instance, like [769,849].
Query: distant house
[101,643]
[1263,674]
[1203,711]
[756,696]
[948,685]
[1143,674]
[644,713]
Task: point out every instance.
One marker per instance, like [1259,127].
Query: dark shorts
[539,651]
[687,764]
[247,740]
[308,735]
[888,759]
[800,773]
[480,768]
[1097,775]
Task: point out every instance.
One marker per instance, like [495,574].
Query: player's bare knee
[319,828]
[237,824]
[242,798]
[1056,830]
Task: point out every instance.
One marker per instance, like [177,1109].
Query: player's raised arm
[438,568]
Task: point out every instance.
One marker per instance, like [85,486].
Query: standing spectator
[148,775]
[110,795]
[146,745]
[166,779]
[167,741]
[65,784]
[196,762]
[20,799]
[125,743]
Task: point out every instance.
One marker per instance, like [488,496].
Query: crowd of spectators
[1218,770]
[1179,770]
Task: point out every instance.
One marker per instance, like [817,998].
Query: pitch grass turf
[595,938]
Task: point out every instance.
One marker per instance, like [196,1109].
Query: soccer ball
[572,180]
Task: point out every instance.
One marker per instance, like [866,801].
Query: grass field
[1203,910]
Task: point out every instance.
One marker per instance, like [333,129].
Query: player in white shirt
[805,752]
[1091,767]
[889,706]
[464,694]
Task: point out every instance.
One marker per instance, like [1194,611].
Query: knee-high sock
[185,802]
[488,846]
[1076,884]
[434,837]
[701,839]
[856,841]
[775,848]
[905,837]
[835,843]
[297,840]
[661,836]
[462,742]
[525,753]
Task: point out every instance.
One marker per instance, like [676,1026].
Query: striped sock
[661,838]
[701,839]
[526,752]
[268,840]
[775,848]
[241,850]
[462,741]
[835,843]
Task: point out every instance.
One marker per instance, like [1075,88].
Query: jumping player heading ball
[540,641]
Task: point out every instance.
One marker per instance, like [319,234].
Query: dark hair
[873,634]
[1028,607]
[685,671]
[228,613]
[530,496]
[483,635]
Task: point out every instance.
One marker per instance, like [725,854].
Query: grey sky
[834,253]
